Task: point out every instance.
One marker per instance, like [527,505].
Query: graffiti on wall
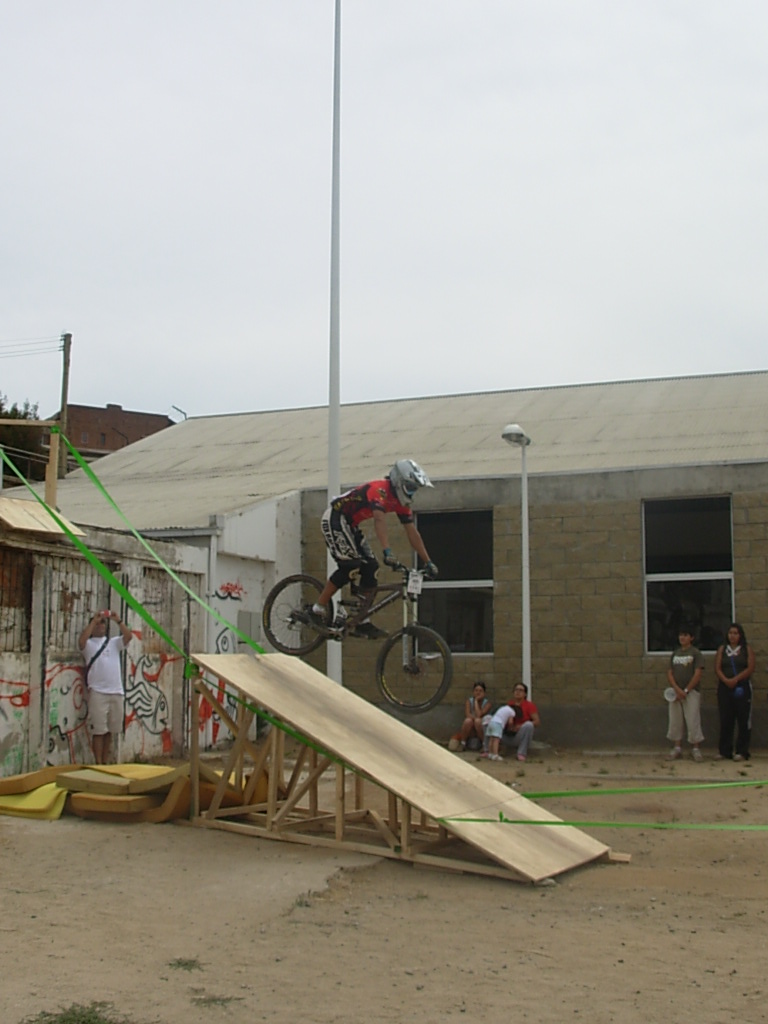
[18,695]
[146,705]
[230,592]
[68,739]
[227,644]
[147,723]
[14,700]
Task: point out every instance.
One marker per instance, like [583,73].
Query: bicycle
[414,667]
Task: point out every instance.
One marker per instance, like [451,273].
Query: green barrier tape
[102,569]
[614,824]
[694,826]
[626,824]
[145,544]
[645,789]
[190,669]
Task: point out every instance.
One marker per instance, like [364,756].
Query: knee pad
[369,570]
[340,577]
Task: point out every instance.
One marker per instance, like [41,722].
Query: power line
[30,341]
[10,349]
[32,456]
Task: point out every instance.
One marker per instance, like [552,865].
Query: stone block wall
[586,601]
[592,680]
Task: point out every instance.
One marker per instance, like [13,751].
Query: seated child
[477,709]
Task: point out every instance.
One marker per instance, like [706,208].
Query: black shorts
[349,549]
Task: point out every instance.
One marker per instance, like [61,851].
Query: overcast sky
[533,192]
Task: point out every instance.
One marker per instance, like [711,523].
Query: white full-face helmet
[406,477]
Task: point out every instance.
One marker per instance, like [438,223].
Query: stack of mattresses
[118,793]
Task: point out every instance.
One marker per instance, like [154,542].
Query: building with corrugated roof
[648,506]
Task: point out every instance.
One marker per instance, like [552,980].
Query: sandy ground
[177,925]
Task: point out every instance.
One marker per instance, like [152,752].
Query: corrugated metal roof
[221,464]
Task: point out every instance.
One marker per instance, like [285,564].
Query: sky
[533,193]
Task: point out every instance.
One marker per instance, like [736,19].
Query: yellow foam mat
[33,780]
[134,808]
[122,792]
[89,780]
[123,778]
[144,773]
[46,802]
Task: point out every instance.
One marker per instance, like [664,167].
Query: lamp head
[513,433]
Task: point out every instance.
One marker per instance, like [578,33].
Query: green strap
[503,819]
[695,826]
[190,669]
[645,789]
[103,491]
[102,569]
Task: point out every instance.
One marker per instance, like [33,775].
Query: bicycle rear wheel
[414,669]
[284,617]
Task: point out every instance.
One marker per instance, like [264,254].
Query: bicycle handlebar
[404,569]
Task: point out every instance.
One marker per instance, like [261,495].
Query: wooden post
[194,749]
[405,831]
[63,416]
[340,786]
[313,796]
[52,471]
[275,772]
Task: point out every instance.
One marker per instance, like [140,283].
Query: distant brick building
[96,432]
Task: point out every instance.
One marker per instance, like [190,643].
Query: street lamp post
[514,434]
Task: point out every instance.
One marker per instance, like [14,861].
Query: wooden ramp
[423,783]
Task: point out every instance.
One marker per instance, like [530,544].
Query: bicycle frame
[394,591]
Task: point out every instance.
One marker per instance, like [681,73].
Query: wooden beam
[52,472]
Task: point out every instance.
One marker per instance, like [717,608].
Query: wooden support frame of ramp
[422,792]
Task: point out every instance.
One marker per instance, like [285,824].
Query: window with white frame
[459,604]
[688,570]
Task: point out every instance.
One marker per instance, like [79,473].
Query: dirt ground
[177,925]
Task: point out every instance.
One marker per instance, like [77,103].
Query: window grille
[15,599]
[688,571]
[459,604]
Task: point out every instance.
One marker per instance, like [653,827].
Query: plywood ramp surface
[407,764]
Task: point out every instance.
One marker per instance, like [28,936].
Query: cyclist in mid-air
[348,546]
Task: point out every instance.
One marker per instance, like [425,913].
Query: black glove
[430,571]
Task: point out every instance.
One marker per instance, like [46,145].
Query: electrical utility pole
[66,340]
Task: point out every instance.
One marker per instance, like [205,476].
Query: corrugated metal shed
[224,464]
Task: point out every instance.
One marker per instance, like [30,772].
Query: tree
[23,445]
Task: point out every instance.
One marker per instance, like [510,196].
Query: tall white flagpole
[333,649]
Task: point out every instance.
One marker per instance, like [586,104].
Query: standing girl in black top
[734,665]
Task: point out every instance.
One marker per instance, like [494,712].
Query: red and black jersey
[361,502]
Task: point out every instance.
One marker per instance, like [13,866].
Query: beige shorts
[686,715]
[105,712]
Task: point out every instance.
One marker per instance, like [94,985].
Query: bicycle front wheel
[284,616]
[414,669]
